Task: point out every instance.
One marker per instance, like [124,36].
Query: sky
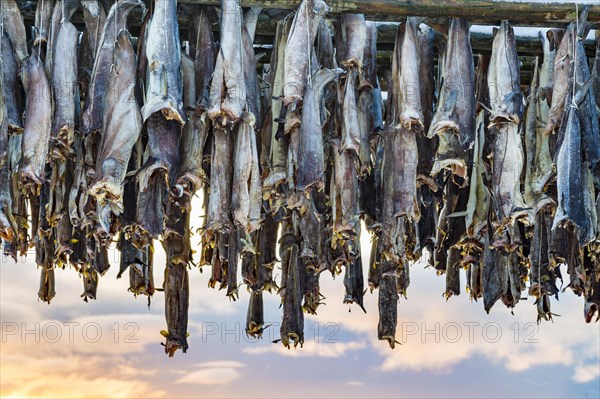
[111,347]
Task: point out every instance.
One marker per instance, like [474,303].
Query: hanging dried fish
[454,118]
[43,16]
[122,124]
[65,92]
[163,50]
[228,89]
[91,120]
[354,30]
[11,87]
[408,93]
[38,121]
[12,22]
[246,194]
[298,48]
[311,162]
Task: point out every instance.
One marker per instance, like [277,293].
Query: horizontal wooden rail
[482,12]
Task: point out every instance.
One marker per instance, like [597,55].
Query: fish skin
[246,193]
[38,121]
[403,151]
[163,50]
[65,92]
[299,42]
[493,263]
[8,225]
[597,72]
[204,61]
[228,90]
[94,17]
[570,180]
[354,29]
[70,7]
[343,195]
[542,276]
[409,92]
[368,77]
[425,47]
[350,126]
[292,323]
[91,119]
[122,124]
[457,116]
[388,303]
[311,159]
[506,174]
[506,98]
[12,20]
[219,205]
[43,16]
[3,119]
[479,196]
[11,87]
[539,159]
[562,73]
[193,138]
[589,114]
[278,151]
[176,288]
[454,119]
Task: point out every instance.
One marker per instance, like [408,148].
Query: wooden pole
[480,12]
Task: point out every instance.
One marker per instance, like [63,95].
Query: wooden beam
[481,12]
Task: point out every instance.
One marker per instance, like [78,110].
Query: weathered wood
[481,12]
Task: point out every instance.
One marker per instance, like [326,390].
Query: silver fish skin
[298,48]
[571,182]
[204,60]
[409,92]
[354,29]
[12,20]
[65,91]
[10,87]
[350,125]
[454,118]
[38,121]
[122,126]
[246,193]
[506,97]
[228,89]
[562,75]
[43,16]
[193,137]
[91,119]
[507,167]
[165,86]
[3,119]
[456,106]
[57,17]
[311,161]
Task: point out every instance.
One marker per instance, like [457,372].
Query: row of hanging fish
[103,141]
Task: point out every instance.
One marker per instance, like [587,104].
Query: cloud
[355,383]
[310,349]
[586,373]
[210,376]
[221,363]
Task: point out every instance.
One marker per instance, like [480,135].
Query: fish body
[454,119]
[11,87]
[164,84]
[298,48]
[311,161]
[91,119]
[122,126]
[38,123]
[12,21]
[65,91]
